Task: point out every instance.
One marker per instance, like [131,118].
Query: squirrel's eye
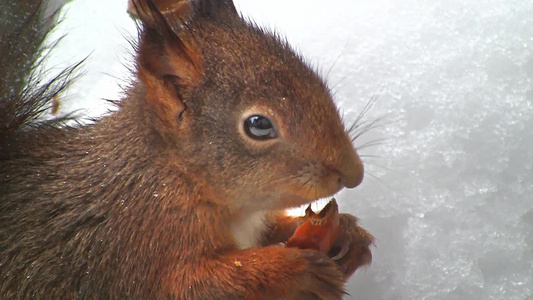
[259,128]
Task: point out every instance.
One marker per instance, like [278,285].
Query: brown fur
[140,204]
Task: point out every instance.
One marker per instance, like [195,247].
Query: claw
[342,252]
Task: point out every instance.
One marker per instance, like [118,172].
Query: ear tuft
[158,35]
[179,8]
[212,9]
[167,64]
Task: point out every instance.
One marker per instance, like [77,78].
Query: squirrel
[181,192]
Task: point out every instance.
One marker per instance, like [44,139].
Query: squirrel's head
[239,111]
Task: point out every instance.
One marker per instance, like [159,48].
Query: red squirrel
[181,192]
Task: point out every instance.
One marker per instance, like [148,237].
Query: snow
[449,196]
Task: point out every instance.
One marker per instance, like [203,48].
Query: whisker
[370,156]
[309,190]
[384,183]
[373,99]
[337,59]
[357,125]
[377,178]
[379,166]
[367,127]
[372,143]
[334,89]
[306,182]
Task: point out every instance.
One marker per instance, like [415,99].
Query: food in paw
[318,231]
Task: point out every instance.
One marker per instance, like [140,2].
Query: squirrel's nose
[351,172]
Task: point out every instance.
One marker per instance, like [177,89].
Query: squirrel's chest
[248,230]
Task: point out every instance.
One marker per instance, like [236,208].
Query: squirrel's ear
[183,10]
[166,64]
[214,8]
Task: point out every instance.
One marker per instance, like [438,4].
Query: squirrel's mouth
[299,202]
[316,205]
[292,197]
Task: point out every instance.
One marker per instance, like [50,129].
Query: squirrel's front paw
[351,250]
[321,277]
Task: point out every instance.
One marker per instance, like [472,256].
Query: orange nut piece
[318,231]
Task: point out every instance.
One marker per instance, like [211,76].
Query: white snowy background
[449,195]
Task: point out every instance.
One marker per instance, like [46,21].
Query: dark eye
[259,127]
